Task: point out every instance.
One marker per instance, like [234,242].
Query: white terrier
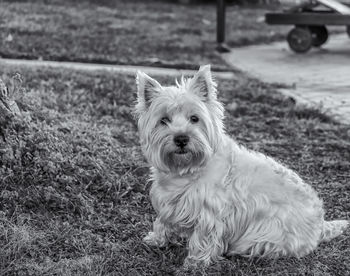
[223,197]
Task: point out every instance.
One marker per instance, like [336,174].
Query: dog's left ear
[147,88]
[203,84]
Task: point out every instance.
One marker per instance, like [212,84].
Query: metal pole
[220,21]
[220,26]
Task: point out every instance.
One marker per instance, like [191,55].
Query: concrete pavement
[320,77]
[122,69]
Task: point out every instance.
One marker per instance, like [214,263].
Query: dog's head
[180,126]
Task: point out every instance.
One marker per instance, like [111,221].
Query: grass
[74,193]
[126,32]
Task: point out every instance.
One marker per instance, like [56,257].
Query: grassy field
[126,32]
[73,188]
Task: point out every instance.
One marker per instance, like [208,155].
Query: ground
[73,182]
[74,190]
[126,32]
[319,77]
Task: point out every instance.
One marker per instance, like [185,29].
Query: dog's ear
[203,84]
[147,88]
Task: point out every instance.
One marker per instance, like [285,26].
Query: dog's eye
[194,119]
[164,120]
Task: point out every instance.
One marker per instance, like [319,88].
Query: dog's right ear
[147,89]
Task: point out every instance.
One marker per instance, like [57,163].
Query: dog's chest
[181,202]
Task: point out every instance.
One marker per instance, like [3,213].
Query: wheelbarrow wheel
[319,35]
[300,39]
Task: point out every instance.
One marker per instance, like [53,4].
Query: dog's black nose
[181,140]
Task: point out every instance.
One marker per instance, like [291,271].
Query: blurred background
[180,34]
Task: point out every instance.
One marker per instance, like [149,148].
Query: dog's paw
[153,239]
[193,266]
[192,262]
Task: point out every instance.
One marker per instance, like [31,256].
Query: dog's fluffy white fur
[224,198]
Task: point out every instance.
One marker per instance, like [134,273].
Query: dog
[223,198]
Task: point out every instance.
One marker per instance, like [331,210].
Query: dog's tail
[332,229]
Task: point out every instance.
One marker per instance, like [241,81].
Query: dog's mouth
[183,160]
[179,158]
[181,151]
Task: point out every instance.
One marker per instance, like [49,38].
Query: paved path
[123,69]
[320,77]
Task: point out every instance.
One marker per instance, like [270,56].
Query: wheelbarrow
[310,19]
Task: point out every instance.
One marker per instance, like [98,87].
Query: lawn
[74,193]
[157,33]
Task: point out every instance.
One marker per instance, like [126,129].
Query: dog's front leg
[206,243]
[159,235]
